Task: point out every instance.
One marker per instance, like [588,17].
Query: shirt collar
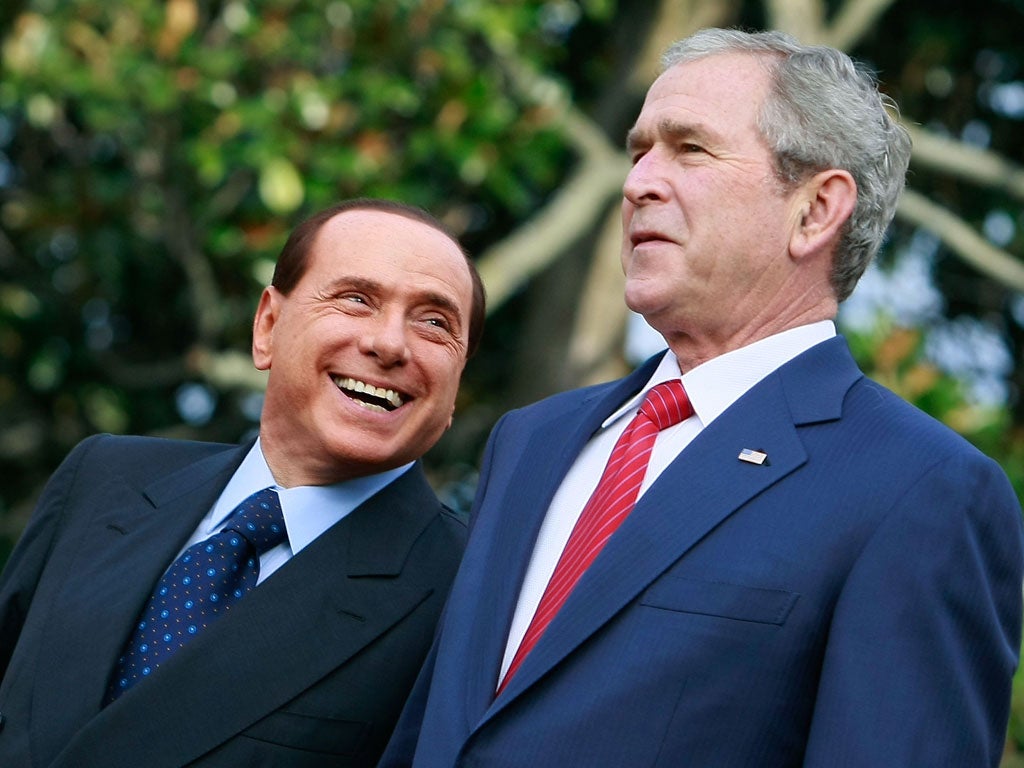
[308,510]
[718,383]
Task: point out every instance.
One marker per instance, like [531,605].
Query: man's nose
[387,340]
[646,180]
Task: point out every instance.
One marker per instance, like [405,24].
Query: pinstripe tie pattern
[613,499]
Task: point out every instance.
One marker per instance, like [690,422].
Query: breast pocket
[721,599]
[314,734]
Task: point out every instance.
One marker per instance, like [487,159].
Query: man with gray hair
[745,553]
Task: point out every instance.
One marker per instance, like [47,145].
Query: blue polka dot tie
[202,584]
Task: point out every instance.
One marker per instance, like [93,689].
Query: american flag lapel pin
[751,456]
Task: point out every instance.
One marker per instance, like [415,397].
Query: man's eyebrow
[666,129]
[635,138]
[431,298]
[351,282]
[442,302]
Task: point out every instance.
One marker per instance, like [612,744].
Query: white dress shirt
[712,387]
[309,510]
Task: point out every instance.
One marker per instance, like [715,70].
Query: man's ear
[263,327]
[827,200]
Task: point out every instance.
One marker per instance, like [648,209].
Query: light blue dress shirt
[309,510]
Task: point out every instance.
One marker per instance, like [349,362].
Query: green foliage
[159,152]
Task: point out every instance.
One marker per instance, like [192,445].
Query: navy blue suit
[855,601]
[310,669]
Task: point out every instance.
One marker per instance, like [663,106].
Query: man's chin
[644,299]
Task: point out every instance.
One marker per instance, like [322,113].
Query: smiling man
[176,603]
[365,347]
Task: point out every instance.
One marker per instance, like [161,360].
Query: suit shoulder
[443,540]
[899,422]
[455,523]
[416,514]
[905,442]
[562,401]
[136,454]
[449,527]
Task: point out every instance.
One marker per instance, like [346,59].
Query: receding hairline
[412,215]
[698,128]
[457,251]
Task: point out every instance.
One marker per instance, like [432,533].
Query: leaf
[281,186]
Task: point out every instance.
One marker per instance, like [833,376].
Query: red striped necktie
[613,499]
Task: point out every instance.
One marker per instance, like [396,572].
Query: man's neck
[693,349]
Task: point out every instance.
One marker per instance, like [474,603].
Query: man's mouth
[638,238]
[367,395]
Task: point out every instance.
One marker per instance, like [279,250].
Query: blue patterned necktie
[203,583]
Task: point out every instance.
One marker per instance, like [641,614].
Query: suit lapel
[299,625]
[544,461]
[122,552]
[535,479]
[705,484]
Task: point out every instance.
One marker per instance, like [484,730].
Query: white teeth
[361,386]
[373,406]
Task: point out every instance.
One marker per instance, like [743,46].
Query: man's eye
[438,322]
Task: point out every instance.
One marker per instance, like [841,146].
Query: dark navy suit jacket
[854,601]
[311,669]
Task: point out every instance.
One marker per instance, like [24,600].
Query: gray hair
[823,111]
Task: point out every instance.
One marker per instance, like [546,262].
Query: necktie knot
[259,520]
[667,404]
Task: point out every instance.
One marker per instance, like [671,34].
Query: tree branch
[962,239]
[853,20]
[677,19]
[205,293]
[572,210]
[222,369]
[804,19]
[178,231]
[228,369]
[510,264]
[595,349]
[972,164]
